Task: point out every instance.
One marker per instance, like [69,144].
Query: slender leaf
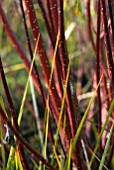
[106,148]
[2,147]
[61,112]
[18,162]
[27,83]
[102,130]
[82,122]
[11,159]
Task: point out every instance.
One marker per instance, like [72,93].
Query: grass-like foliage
[56,85]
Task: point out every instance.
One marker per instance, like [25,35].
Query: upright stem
[43,56]
[50,29]
[64,58]
[53,9]
[98,68]
[31,54]
[89,24]
[112,22]
[108,45]
[69,96]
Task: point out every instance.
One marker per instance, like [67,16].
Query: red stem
[110,3]
[31,53]
[108,45]
[43,56]
[50,16]
[64,60]
[98,68]
[91,37]
[54,16]
[52,36]
[70,98]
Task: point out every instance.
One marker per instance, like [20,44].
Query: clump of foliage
[66,50]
